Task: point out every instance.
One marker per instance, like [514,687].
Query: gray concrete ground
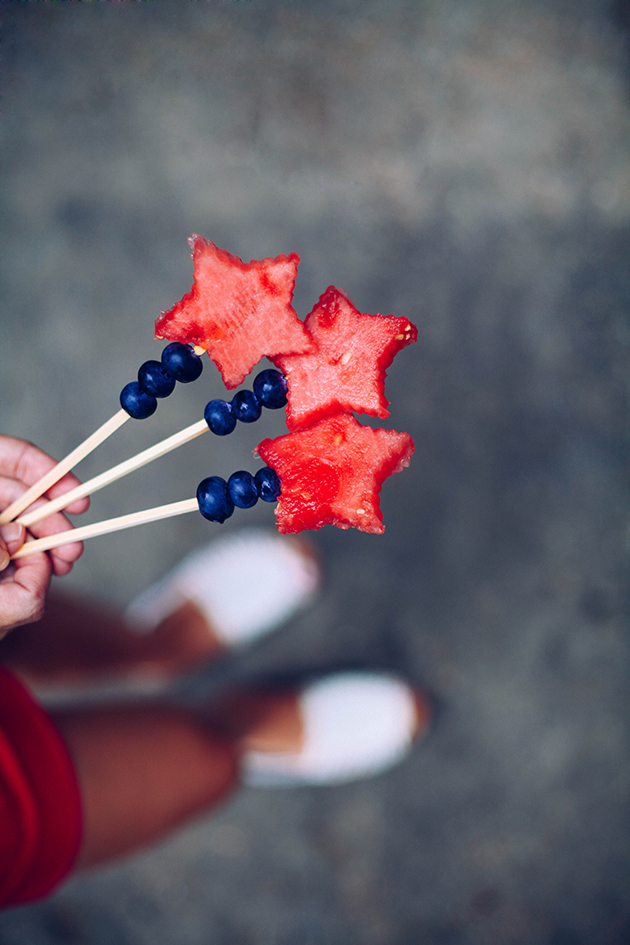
[464,164]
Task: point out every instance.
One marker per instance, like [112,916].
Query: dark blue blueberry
[268,484]
[214,501]
[271,389]
[154,379]
[137,404]
[242,489]
[246,406]
[182,362]
[219,416]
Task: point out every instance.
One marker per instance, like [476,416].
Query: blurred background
[464,164]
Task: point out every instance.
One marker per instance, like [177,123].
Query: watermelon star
[238,312]
[347,368]
[332,473]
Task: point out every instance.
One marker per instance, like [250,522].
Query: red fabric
[40,805]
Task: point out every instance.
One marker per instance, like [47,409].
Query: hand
[24,583]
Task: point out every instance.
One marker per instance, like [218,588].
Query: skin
[24,583]
[145,769]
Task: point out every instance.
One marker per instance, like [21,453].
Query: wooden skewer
[109,525]
[116,472]
[64,466]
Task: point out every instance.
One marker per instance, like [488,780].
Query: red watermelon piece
[347,368]
[332,473]
[239,312]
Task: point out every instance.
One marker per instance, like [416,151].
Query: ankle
[264,720]
[181,640]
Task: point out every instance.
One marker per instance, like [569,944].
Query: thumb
[12,537]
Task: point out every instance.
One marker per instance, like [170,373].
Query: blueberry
[246,406]
[219,416]
[271,389]
[182,362]
[242,489]
[154,379]
[136,402]
[214,501]
[268,484]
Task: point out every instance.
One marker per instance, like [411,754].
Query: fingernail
[12,532]
[4,558]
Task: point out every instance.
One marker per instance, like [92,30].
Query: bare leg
[146,769]
[143,771]
[79,640]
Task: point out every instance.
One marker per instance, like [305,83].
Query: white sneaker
[246,584]
[356,725]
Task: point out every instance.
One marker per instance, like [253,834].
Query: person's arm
[24,583]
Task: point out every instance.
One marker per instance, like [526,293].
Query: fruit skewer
[333,365]
[331,472]
[215,499]
[220,417]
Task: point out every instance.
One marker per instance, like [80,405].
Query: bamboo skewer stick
[116,472]
[64,466]
[107,526]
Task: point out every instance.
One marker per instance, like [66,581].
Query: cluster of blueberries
[216,497]
[157,379]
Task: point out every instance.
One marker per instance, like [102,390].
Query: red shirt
[40,805]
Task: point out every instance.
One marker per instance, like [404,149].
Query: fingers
[61,558]
[27,464]
[65,485]
[23,588]
[12,537]
[64,557]
[24,583]
[23,461]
